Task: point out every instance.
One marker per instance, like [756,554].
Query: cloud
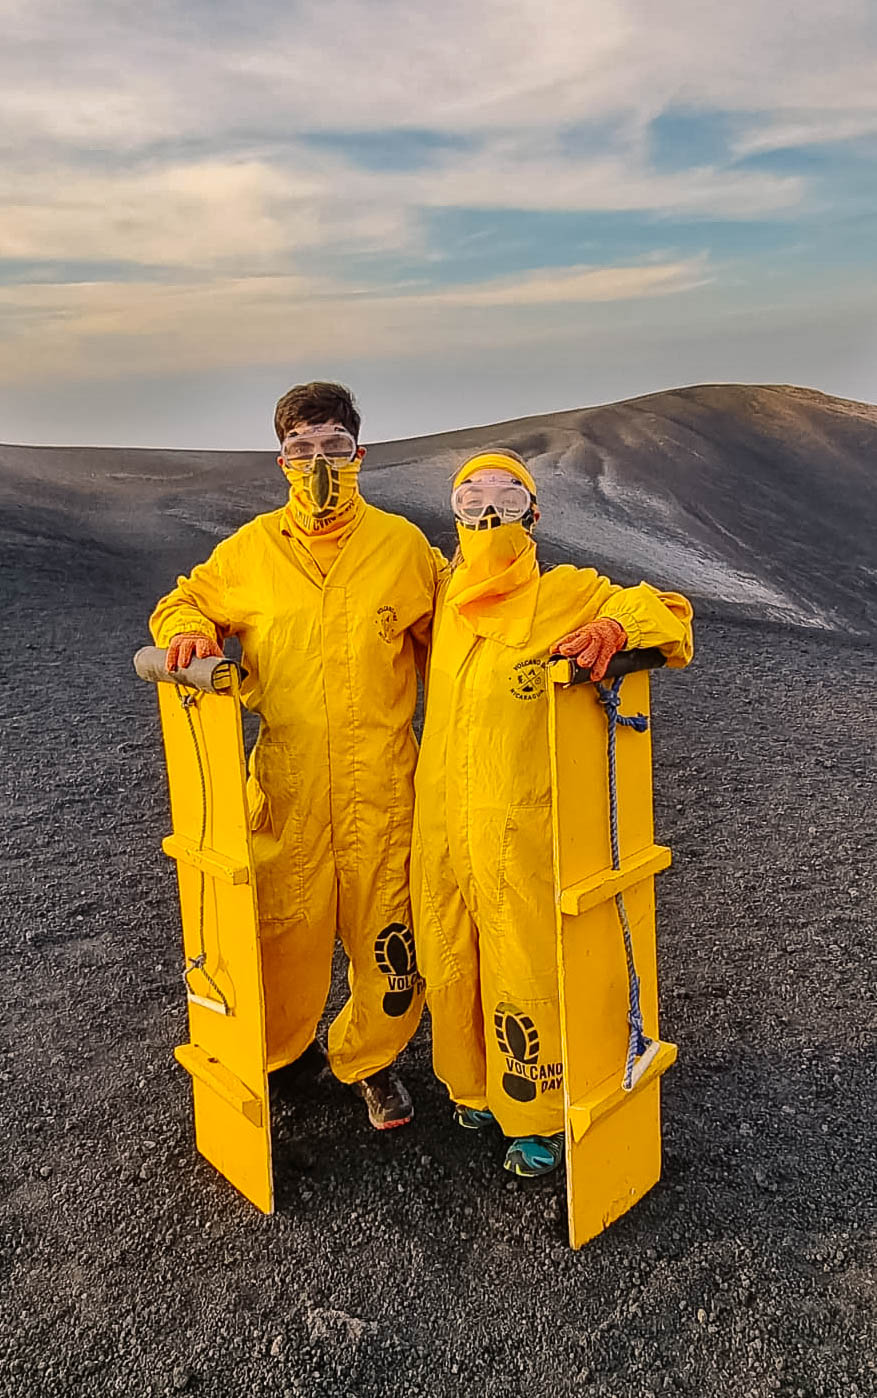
[806,129]
[507,174]
[177,215]
[198,214]
[171,142]
[578,284]
[118,76]
[249,215]
[128,328]
[172,134]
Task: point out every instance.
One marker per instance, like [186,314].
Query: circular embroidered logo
[387,622]
[528,679]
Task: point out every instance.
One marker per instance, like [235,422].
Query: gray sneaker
[387,1100]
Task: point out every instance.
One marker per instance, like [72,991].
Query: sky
[467,212]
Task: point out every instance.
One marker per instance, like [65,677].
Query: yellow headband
[496,460]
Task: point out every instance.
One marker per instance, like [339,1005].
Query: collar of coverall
[337,526]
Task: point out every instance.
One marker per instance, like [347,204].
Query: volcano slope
[410,1265]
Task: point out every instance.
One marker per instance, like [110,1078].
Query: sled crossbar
[222,1081]
[609,1095]
[583,896]
[207,861]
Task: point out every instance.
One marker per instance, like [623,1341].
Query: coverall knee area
[383,1008]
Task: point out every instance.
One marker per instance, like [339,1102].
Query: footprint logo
[518,1040]
[396,957]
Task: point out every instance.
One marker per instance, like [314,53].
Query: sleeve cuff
[629,624]
[204,628]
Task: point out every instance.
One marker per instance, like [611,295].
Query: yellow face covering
[326,499]
[495,587]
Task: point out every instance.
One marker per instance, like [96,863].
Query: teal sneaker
[529,1156]
[471,1119]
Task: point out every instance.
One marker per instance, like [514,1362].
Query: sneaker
[288,1082]
[529,1156]
[386,1098]
[471,1119]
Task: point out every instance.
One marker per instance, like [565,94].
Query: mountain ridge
[759,500]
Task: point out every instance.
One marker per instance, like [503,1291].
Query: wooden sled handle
[213,674]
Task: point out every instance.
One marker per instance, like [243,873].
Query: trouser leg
[296,975]
[385,1002]
[519,992]
[458,1052]
[297,902]
[447,949]
[524,1058]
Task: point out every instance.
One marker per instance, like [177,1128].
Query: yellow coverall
[331,664]
[482,879]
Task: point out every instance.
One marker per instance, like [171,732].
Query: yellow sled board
[613,1137]
[226,1053]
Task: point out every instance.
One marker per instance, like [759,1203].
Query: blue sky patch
[480,243]
[398,149]
[681,138]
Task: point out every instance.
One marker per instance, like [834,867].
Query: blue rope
[610,698]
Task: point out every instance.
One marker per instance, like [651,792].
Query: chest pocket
[296,628]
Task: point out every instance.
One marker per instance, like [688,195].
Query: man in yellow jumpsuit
[332,602]
[482,881]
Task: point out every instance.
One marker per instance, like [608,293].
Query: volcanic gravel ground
[410,1263]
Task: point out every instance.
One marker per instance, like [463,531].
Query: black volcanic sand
[410,1264]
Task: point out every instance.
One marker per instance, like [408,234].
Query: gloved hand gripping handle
[625,662]
[213,674]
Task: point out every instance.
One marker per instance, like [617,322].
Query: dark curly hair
[311,403]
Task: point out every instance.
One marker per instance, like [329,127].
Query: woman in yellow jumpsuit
[482,883]
[332,601]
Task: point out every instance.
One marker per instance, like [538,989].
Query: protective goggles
[492,495]
[333,444]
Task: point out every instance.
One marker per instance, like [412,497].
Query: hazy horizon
[270,445]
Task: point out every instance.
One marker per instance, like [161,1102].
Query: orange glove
[593,646]
[186,644]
